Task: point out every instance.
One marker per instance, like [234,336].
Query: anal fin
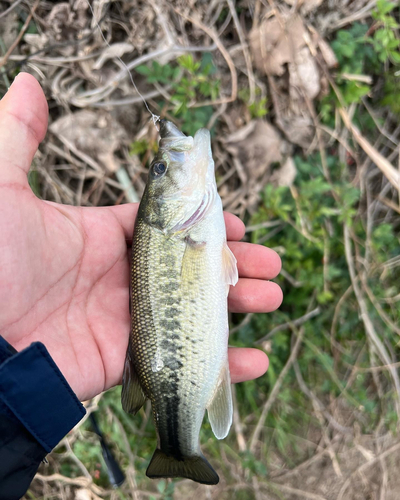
[132,397]
[220,409]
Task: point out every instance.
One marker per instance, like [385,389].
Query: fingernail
[20,73]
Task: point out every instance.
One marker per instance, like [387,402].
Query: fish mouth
[197,149]
[170,131]
[202,141]
[172,139]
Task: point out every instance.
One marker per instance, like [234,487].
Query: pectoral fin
[229,265]
[193,261]
[132,397]
[220,410]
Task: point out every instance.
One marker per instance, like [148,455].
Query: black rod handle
[114,472]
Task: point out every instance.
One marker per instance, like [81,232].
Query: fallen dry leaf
[284,50]
[305,6]
[83,494]
[258,146]
[65,22]
[273,45]
[284,175]
[304,75]
[98,137]
[327,53]
[298,129]
[113,51]
[36,41]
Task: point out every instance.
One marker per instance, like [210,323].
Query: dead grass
[275,49]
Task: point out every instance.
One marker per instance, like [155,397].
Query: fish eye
[159,168]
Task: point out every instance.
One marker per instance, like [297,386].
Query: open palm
[64,271]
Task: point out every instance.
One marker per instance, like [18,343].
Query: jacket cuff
[33,389]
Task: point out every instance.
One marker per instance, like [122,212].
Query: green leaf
[143,70]
[395,57]
[384,7]
[161,485]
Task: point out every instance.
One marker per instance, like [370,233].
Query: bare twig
[91,97]
[83,482]
[317,456]
[380,161]
[317,402]
[274,393]
[10,8]
[73,457]
[385,318]
[380,368]
[4,59]
[246,321]
[237,424]
[355,16]
[369,327]
[263,225]
[293,491]
[246,54]
[295,283]
[365,466]
[214,36]
[131,469]
[296,322]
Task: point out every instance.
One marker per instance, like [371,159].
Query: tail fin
[196,468]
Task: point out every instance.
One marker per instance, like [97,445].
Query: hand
[64,271]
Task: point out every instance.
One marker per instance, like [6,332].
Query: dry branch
[365,466]
[274,393]
[4,59]
[294,491]
[296,322]
[380,161]
[369,327]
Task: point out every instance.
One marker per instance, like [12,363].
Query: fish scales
[179,330]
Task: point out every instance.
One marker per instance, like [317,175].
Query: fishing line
[154,117]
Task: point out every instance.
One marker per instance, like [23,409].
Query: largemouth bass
[182,268]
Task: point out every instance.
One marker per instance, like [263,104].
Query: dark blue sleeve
[37,409]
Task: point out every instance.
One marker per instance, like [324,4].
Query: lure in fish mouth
[181,271]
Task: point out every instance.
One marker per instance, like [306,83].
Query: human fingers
[246,363]
[254,295]
[23,125]
[256,261]
[126,216]
[235,228]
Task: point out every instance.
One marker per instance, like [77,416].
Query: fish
[182,269]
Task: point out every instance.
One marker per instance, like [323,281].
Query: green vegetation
[258,108]
[191,82]
[384,40]
[364,51]
[311,242]
[311,218]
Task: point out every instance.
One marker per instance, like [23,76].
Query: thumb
[23,124]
